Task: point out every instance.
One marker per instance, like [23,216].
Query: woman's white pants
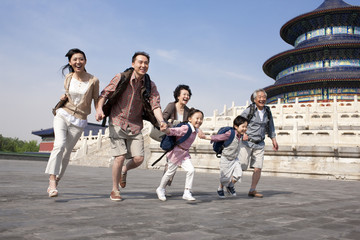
[66,137]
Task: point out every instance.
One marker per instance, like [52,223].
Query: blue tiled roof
[330,4]
[320,47]
[49,132]
[330,39]
[44,132]
[346,15]
[289,58]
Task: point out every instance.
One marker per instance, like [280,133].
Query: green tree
[16,145]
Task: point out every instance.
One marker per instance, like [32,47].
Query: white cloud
[168,56]
[239,76]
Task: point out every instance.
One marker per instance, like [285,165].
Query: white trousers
[66,137]
[187,166]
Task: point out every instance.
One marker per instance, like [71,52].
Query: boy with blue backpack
[177,152]
[226,144]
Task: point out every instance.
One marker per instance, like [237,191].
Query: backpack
[219,146]
[169,142]
[252,112]
[145,95]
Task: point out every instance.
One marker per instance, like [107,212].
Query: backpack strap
[231,138]
[148,113]
[185,137]
[120,88]
[147,85]
[268,111]
[251,111]
[145,94]
[225,143]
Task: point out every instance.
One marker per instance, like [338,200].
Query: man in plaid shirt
[126,121]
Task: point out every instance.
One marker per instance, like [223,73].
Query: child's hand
[245,137]
[201,134]
[163,126]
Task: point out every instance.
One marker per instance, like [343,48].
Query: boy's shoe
[231,190]
[255,194]
[115,196]
[188,196]
[221,193]
[161,194]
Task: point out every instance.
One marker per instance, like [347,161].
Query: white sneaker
[188,196]
[161,194]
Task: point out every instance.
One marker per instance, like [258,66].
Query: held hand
[163,126]
[99,115]
[63,97]
[99,109]
[275,144]
[201,134]
[245,137]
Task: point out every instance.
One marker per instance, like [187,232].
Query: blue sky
[216,47]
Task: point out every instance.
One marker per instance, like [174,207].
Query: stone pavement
[290,209]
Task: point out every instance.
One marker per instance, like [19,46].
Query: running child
[180,156]
[230,167]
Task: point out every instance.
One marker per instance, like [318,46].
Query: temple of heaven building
[325,61]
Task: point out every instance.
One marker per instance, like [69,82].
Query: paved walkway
[291,208]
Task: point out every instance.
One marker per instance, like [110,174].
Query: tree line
[16,145]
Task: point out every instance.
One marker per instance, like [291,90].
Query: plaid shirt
[127,111]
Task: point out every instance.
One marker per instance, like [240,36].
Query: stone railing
[317,139]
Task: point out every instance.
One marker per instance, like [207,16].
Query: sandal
[57,179]
[123,180]
[51,191]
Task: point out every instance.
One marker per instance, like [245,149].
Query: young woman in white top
[71,119]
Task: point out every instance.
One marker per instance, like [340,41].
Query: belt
[256,142]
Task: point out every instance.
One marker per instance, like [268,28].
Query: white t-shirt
[77,89]
[261,114]
[180,117]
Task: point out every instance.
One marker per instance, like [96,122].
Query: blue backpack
[169,142]
[219,146]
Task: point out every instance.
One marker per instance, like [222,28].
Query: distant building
[47,135]
[325,61]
